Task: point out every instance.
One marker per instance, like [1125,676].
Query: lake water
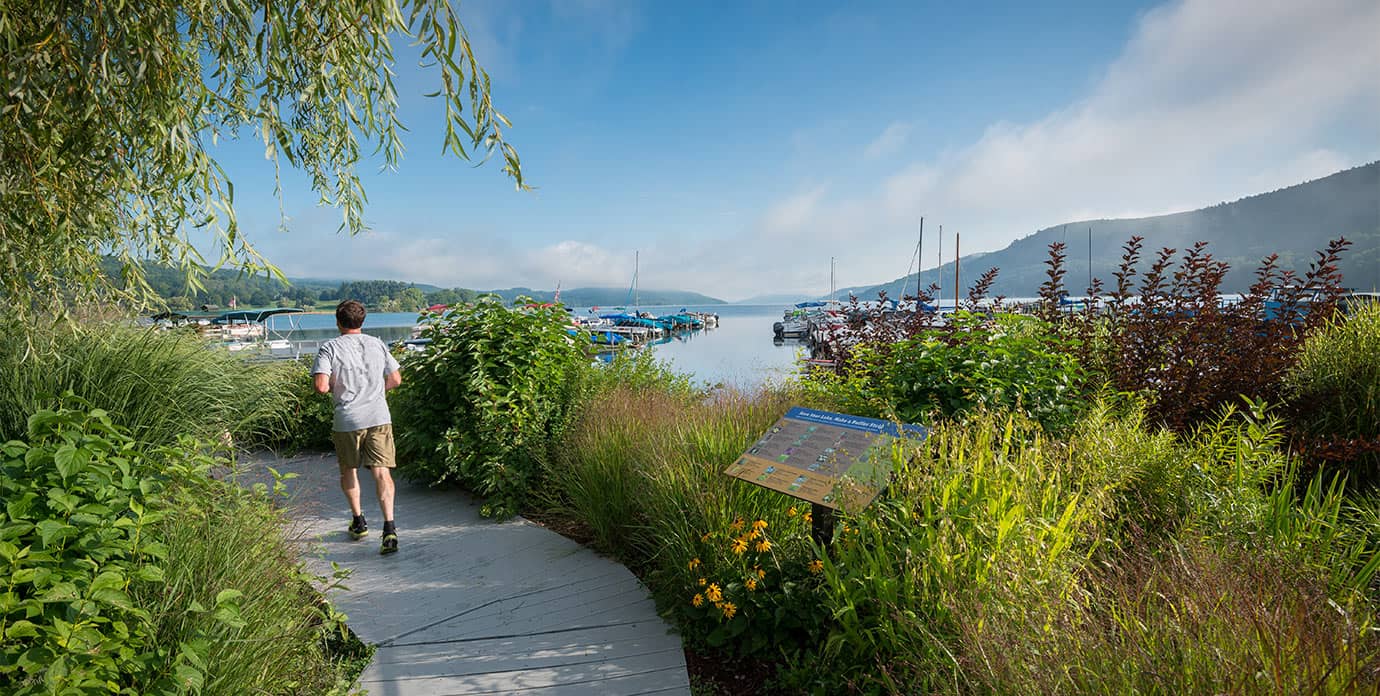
[740,352]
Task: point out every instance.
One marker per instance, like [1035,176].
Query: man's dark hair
[349,314]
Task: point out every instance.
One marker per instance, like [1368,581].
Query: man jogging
[356,369]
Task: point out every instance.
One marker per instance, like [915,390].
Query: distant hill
[225,285]
[591,297]
[1293,222]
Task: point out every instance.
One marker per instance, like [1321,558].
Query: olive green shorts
[369,447]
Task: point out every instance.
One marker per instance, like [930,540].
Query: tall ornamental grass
[1334,393]
[1001,561]
[158,384]
[641,469]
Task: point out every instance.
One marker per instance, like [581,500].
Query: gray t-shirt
[357,364]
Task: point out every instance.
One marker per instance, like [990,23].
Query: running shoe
[390,543]
[358,530]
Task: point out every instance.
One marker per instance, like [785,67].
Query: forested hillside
[223,287]
[1293,222]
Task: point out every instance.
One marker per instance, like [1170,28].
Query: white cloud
[889,142]
[1209,101]
[791,214]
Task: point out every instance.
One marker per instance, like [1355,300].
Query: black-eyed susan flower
[737,524]
[763,546]
[739,546]
[759,525]
[816,566]
[705,537]
[713,592]
[702,582]
[752,534]
[751,584]
[694,563]
[792,512]
[808,518]
[760,573]
[697,601]
[728,609]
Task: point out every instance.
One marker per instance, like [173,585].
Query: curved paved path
[470,606]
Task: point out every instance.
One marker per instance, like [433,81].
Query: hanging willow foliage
[109,111]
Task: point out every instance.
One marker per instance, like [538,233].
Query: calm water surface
[740,352]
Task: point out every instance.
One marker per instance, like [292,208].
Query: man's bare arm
[392,379]
[322,382]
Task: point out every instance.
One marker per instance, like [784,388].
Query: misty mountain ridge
[1293,222]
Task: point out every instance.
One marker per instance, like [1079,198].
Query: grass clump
[1334,393]
[641,469]
[160,385]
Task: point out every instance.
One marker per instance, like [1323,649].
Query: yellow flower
[728,609]
[739,546]
[704,537]
[816,566]
[760,573]
[694,563]
[737,524]
[751,584]
[713,592]
[763,546]
[808,518]
[698,601]
[702,582]
[752,535]
[759,525]
[792,512]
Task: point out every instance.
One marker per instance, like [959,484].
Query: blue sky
[739,146]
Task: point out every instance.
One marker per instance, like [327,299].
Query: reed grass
[220,537]
[1337,376]
[1177,620]
[157,384]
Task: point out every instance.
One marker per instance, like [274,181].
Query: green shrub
[1009,362]
[80,498]
[639,370]
[308,423]
[158,384]
[481,406]
[1334,393]
[128,570]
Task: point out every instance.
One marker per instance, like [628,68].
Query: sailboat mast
[938,278]
[831,278]
[919,261]
[1090,273]
[956,283]
[637,258]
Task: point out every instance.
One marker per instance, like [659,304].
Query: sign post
[832,460]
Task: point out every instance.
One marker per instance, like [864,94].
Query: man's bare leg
[349,483]
[383,481]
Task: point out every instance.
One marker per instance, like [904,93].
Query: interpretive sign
[832,459]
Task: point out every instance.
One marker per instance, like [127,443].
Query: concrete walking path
[470,606]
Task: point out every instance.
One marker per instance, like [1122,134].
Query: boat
[251,330]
